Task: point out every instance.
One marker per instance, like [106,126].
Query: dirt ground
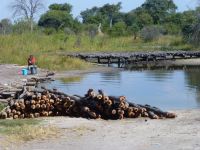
[182,133]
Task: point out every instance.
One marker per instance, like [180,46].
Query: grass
[16,48]
[18,131]
[2,106]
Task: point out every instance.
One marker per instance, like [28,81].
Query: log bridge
[123,59]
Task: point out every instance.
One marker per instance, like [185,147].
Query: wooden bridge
[125,58]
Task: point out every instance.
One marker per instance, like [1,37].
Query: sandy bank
[182,133]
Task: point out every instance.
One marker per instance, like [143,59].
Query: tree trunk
[31,24]
[111,22]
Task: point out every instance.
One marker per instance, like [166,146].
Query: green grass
[2,106]
[16,48]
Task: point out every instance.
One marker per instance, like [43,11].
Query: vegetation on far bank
[16,48]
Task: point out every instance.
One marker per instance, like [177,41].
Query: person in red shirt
[32,64]
[31,60]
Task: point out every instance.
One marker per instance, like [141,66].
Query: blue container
[24,72]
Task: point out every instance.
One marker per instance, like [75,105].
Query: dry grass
[18,131]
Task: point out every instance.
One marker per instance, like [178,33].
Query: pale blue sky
[79,5]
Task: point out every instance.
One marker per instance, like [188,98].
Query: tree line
[150,20]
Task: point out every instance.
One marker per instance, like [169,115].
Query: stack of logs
[93,105]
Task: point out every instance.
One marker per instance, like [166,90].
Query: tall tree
[27,9]
[5,26]
[159,9]
[58,16]
[110,11]
[104,15]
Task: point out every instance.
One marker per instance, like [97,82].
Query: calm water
[177,89]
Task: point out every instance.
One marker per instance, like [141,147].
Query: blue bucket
[24,72]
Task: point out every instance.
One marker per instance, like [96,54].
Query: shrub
[49,31]
[191,34]
[119,29]
[150,33]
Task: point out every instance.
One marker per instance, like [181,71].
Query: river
[167,89]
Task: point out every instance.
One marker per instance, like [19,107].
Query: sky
[80,5]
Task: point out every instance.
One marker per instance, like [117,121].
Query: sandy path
[183,133]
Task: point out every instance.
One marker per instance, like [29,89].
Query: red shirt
[31,61]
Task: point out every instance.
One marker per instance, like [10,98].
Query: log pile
[44,103]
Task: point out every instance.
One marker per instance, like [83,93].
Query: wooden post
[119,63]
[109,61]
[99,61]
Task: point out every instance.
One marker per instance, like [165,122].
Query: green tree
[61,7]
[5,26]
[57,17]
[173,23]
[91,16]
[143,18]
[159,9]
[110,11]
[107,14]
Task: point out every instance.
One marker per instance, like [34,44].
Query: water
[175,89]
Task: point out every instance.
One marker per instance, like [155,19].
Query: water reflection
[192,77]
[159,75]
[111,77]
[168,89]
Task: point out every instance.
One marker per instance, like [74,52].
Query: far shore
[11,73]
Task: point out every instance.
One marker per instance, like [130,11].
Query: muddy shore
[182,133]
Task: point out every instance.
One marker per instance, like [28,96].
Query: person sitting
[32,64]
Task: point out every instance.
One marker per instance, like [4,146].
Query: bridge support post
[119,62]
[98,59]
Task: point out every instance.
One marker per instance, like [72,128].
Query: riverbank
[182,133]
[11,73]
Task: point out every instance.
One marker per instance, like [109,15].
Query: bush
[150,33]
[191,34]
[195,36]
[119,29]
[92,31]
[49,31]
